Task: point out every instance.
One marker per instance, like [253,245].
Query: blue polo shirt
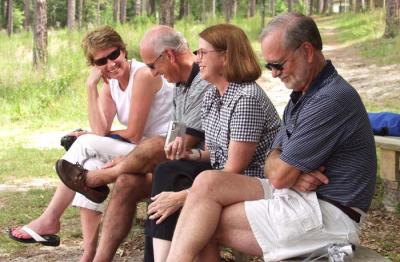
[328,126]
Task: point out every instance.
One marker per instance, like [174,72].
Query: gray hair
[169,40]
[297,29]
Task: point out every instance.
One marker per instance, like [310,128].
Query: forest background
[43,73]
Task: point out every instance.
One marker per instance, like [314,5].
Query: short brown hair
[242,65]
[101,38]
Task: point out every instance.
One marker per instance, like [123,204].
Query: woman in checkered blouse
[239,121]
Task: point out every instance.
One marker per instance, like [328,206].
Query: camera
[68,140]
[340,252]
[175,129]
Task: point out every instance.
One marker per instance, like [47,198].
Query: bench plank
[388,142]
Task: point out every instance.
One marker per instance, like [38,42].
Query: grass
[365,32]
[20,207]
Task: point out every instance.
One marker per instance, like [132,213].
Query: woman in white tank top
[140,101]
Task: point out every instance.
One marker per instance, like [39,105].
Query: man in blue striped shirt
[296,210]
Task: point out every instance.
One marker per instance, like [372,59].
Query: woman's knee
[206,182]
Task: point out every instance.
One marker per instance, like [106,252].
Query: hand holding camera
[69,139]
[175,147]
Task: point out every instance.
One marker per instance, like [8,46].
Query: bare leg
[233,231]
[128,190]
[90,221]
[161,248]
[141,160]
[211,191]
[49,220]
[210,253]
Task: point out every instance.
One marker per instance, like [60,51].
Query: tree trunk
[138,7]
[320,6]
[151,7]
[184,8]
[325,7]
[167,8]
[40,35]
[392,28]
[9,17]
[272,7]
[213,8]
[80,13]
[203,11]
[290,5]
[251,8]
[71,14]
[115,10]
[310,7]
[228,6]
[358,6]
[371,5]
[122,12]
[235,7]
[27,14]
[98,12]
[262,3]
[4,8]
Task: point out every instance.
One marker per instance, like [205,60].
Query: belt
[354,215]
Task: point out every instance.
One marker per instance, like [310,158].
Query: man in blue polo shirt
[296,210]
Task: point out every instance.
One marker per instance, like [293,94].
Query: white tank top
[161,108]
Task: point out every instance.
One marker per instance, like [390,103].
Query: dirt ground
[374,83]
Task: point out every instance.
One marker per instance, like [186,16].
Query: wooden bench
[389,148]
[361,254]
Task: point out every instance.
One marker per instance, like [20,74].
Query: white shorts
[92,152]
[287,223]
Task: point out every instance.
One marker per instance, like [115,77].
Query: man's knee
[127,184]
[147,155]
[150,147]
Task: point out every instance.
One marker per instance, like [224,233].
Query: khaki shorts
[287,223]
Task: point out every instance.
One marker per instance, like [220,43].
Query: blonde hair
[101,38]
[242,65]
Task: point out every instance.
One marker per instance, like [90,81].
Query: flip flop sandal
[46,240]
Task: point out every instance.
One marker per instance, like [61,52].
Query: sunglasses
[279,66]
[152,65]
[112,56]
[276,66]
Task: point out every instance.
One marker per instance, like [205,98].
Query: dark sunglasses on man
[276,66]
[112,56]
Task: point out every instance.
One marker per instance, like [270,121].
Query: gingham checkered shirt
[244,113]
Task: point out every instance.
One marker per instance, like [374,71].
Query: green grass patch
[353,27]
[381,51]
[20,164]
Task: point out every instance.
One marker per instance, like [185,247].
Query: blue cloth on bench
[385,123]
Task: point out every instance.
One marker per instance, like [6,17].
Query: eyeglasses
[112,56]
[201,52]
[276,66]
[279,66]
[152,65]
